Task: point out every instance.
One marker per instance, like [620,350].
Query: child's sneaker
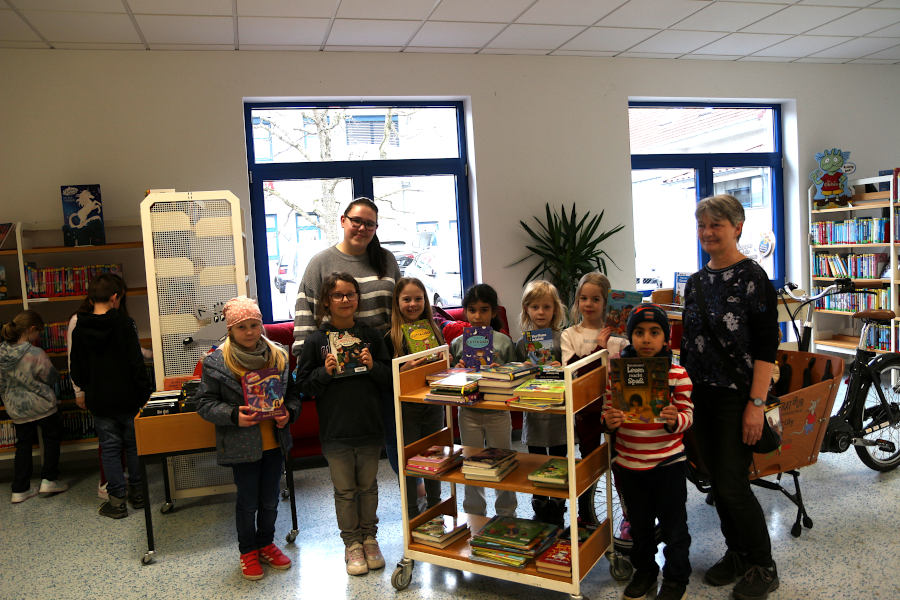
[756,583]
[726,570]
[23,496]
[374,559]
[250,567]
[671,590]
[114,508]
[274,557]
[101,491]
[641,583]
[49,488]
[135,496]
[355,558]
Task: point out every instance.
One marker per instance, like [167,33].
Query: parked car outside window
[439,272]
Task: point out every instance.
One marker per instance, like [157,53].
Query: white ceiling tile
[165,29]
[886,4]
[856,48]
[364,49]
[425,50]
[892,31]
[24,45]
[568,12]
[741,43]
[837,2]
[802,45]
[481,11]
[677,41]
[537,37]
[456,35]
[280,47]
[893,52]
[101,28]
[766,59]
[385,9]
[582,53]
[287,8]
[96,46]
[822,61]
[529,51]
[194,47]
[710,57]
[353,32]
[648,55]
[797,19]
[284,30]
[861,22]
[181,7]
[608,39]
[110,6]
[651,13]
[12,28]
[874,61]
[730,16]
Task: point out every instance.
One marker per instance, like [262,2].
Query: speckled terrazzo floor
[60,548]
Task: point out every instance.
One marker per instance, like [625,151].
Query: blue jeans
[257,500]
[354,475]
[116,434]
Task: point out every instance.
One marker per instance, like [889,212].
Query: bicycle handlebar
[840,285]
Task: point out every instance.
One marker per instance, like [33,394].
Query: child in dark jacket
[253,447]
[106,362]
[350,424]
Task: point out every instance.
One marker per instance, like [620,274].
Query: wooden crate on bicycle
[805,411]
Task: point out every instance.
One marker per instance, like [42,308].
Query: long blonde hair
[397,321]
[277,356]
[596,278]
[535,290]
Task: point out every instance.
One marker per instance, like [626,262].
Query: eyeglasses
[337,296]
[360,223]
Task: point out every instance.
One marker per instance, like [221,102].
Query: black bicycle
[869,417]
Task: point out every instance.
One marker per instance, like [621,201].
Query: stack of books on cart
[440,531]
[498,381]
[459,388]
[434,461]
[557,559]
[553,473]
[539,394]
[491,464]
[512,542]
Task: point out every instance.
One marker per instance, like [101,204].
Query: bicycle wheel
[870,412]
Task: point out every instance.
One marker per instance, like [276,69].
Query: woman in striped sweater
[649,467]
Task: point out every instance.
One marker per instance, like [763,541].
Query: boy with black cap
[649,467]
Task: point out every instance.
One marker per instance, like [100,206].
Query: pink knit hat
[241,309]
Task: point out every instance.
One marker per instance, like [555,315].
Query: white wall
[135,120]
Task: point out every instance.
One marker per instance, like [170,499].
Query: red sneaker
[250,567]
[275,557]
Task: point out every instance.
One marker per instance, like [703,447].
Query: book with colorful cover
[347,349]
[436,455]
[498,557]
[681,280]
[544,540]
[417,470]
[508,371]
[419,336]
[458,383]
[539,346]
[461,534]
[640,387]
[439,528]
[554,389]
[454,399]
[477,347]
[548,372]
[621,302]
[513,532]
[264,392]
[489,458]
[557,557]
[82,215]
[447,373]
[555,471]
[497,474]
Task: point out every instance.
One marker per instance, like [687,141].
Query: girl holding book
[480,427]
[411,308]
[543,433]
[349,406]
[253,446]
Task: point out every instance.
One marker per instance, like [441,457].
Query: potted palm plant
[566,245]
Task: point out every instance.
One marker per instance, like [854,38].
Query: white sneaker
[101,491]
[374,559]
[49,488]
[355,558]
[23,496]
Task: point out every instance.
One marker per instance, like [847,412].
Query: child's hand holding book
[330,363]
[670,414]
[365,357]
[613,417]
[247,417]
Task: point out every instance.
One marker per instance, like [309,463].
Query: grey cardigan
[219,396]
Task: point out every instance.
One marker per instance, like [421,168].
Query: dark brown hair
[328,285]
[378,256]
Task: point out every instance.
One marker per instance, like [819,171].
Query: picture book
[556,558]
[440,527]
[490,474]
[548,372]
[455,399]
[513,532]
[82,215]
[447,373]
[264,392]
[419,336]
[555,470]
[458,383]
[508,371]
[489,458]
[347,349]
[6,232]
[436,454]
[542,388]
[416,470]
[530,404]
[539,346]
[477,347]
[498,557]
[640,387]
[681,280]
[619,307]
[442,542]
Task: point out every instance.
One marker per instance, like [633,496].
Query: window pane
[690,130]
[307,220]
[417,217]
[337,134]
[665,239]
[753,187]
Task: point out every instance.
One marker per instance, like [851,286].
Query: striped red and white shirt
[642,446]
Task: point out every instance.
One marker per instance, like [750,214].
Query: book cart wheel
[290,537]
[167,507]
[147,558]
[402,574]
[620,568]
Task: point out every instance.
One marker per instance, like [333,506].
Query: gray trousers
[354,475]
[486,429]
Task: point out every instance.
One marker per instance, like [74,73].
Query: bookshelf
[860,241]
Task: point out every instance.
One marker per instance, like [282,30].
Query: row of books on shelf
[854,301]
[490,464]
[520,384]
[49,282]
[879,337]
[53,338]
[505,541]
[857,266]
[874,230]
[77,424]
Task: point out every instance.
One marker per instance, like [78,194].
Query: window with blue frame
[316,157]
[683,152]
